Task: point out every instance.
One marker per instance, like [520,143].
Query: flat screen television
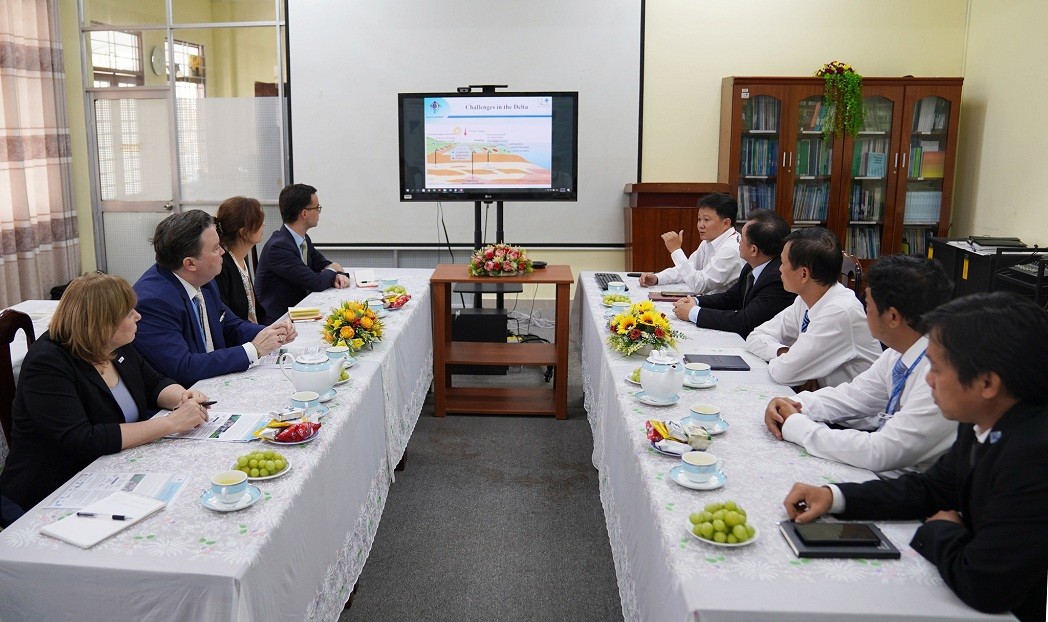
[489,146]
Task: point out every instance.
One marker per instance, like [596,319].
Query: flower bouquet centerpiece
[642,326]
[843,97]
[500,260]
[352,324]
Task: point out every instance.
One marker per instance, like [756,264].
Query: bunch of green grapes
[635,375]
[722,522]
[261,463]
[395,289]
[613,298]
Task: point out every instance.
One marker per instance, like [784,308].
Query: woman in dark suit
[239,221]
[84,392]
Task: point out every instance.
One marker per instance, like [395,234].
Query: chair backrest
[11,322]
[851,276]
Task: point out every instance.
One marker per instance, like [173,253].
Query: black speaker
[488,325]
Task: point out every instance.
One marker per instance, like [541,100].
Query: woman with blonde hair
[239,222]
[84,392]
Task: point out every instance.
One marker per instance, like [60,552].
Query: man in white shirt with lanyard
[715,265]
[823,335]
[887,417]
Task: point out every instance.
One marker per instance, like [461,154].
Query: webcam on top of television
[483,88]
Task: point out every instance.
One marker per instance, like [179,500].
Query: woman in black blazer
[239,222]
[84,392]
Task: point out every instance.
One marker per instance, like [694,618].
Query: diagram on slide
[480,142]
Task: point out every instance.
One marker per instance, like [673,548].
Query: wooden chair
[851,276]
[11,322]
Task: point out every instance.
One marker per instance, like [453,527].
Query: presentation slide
[488,142]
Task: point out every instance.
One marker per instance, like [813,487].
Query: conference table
[664,573]
[296,553]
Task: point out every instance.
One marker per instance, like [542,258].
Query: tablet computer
[719,362]
[836,534]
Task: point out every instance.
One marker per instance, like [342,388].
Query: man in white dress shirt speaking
[886,417]
[823,335]
[715,265]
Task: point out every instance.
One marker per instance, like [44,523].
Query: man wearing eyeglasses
[290,266]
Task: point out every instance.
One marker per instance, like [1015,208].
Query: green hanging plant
[843,97]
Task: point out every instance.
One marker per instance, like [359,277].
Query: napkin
[672,447]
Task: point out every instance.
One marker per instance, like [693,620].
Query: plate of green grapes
[613,298]
[634,377]
[262,465]
[722,523]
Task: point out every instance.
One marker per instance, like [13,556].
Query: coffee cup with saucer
[228,487]
[697,375]
[708,416]
[703,469]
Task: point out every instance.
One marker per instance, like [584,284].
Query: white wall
[690,45]
[1002,183]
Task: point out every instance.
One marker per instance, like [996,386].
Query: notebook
[719,362]
[86,532]
[667,295]
[365,278]
[884,550]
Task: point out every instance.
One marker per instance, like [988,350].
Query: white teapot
[662,375]
[312,371]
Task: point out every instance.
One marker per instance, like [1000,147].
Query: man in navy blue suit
[186,332]
[290,266]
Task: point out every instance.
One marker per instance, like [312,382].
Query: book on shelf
[876,163]
[933,164]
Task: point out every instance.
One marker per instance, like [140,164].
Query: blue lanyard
[896,394]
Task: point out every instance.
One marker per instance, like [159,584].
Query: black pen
[209,403]
[109,516]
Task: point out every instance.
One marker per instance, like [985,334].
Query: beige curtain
[39,247]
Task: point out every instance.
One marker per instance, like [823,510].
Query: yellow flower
[365,322]
[647,317]
[358,344]
[349,315]
[328,337]
[642,306]
[346,332]
[626,324]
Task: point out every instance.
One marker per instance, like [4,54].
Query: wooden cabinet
[493,400]
[655,208]
[886,190]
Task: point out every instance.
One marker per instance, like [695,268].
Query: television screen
[488,146]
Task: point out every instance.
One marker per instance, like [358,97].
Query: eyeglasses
[319,208]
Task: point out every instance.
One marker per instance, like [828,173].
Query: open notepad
[86,532]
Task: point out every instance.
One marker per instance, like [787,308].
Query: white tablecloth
[663,572]
[295,554]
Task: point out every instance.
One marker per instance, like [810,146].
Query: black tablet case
[719,362]
[884,550]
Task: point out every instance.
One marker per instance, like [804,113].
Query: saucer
[327,397]
[632,381]
[251,495]
[718,428]
[677,474]
[712,382]
[665,453]
[756,534]
[340,383]
[317,412]
[643,397]
[348,362]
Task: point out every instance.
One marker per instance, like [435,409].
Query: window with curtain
[39,247]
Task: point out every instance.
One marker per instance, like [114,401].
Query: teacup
[305,399]
[700,466]
[337,352]
[616,287]
[384,283]
[620,307]
[228,487]
[705,413]
[697,373]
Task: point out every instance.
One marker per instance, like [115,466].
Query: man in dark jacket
[758,294]
[984,502]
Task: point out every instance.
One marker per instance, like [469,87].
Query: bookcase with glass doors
[886,190]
